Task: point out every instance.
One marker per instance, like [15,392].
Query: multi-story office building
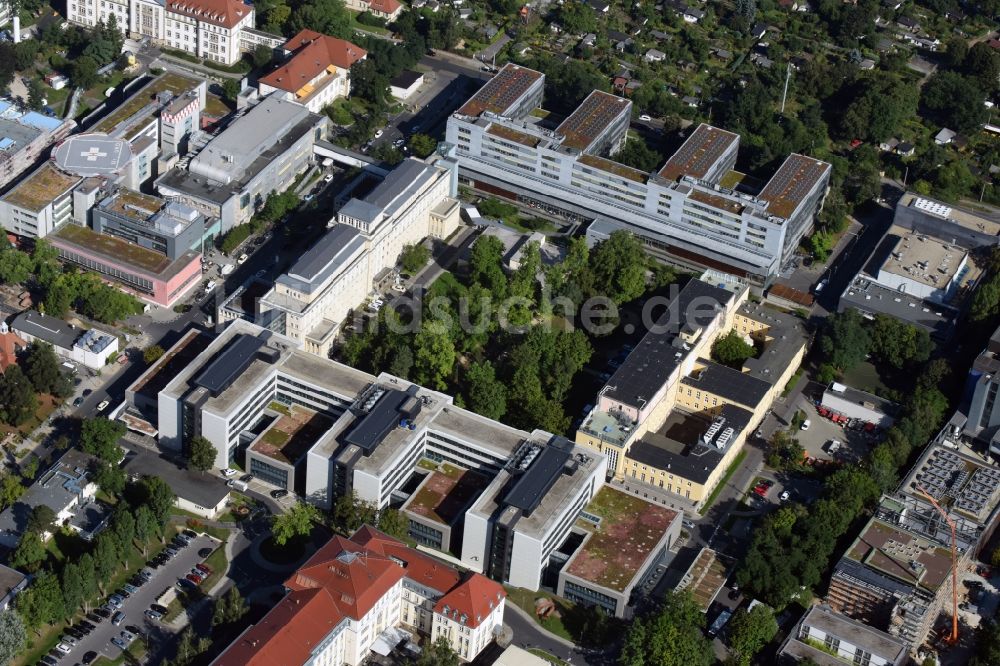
[670,419]
[260,153]
[353,596]
[924,268]
[368,435]
[827,638]
[217,30]
[692,211]
[316,72]
[169,228]
[40,203]
[24,135]
[309,302]
[983,418]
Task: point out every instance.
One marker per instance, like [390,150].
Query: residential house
[945,136]
[652,55]
[907,23]
[389,10]
[599,6]
[588,40]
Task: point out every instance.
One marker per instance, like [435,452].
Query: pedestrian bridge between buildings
[345,157]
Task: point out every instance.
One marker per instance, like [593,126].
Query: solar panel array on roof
[394,409]
[528,490]
[792,183]
[502,91]
[590,119]
[230,364]
[699,153]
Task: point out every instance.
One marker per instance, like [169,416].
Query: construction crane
[953,639]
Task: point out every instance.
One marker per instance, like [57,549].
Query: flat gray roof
[728,383]
[398,187]
[868,296]
[92,155]
[856,633]
[228,156]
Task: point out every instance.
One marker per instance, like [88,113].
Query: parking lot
[99,640]
[854,443]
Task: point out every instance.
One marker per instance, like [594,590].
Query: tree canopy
[671,635]
[297,521]
[732,350]
[99,437]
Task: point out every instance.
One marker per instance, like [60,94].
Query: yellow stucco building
[673,419]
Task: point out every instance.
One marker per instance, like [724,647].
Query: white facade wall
[655,206]
[98,360]
[147,18]
[475,540]
[465,640]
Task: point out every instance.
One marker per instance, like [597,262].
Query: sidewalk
[548,634]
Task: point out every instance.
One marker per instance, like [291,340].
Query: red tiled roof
[419,567]
[354,577]
[474,599]
[312,53]
[226,13]
[384,6]
[345,579]
[287,634]
[10,344]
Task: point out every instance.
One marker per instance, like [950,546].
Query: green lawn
[722,482]
[39,645]
[525,600]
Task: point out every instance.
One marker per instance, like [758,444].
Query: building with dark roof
[91,348]
[68,489]
[670,419]
[685,211]
[351,597]
[324,430]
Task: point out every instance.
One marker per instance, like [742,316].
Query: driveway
[134,607]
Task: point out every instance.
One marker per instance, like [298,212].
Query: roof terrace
[446,493]
[291,434]
[901,555]
[629,531]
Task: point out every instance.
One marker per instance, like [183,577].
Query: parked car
[645,118]
[162,610]
[120,643]
[128,636]
[242,259]
[784,495]
[279,493]
[246,478]
[130,589]
[78,402]
[102,613]
[204,568]
[68,639]
[228,472]
[89,657]
[118,618]
[185,584]
[62,647]
[49,660]
[205,552]
[194,578]
[103,405]
[153,615]
[86,627]
[191,534]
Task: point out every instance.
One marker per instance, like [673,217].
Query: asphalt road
[134,607]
